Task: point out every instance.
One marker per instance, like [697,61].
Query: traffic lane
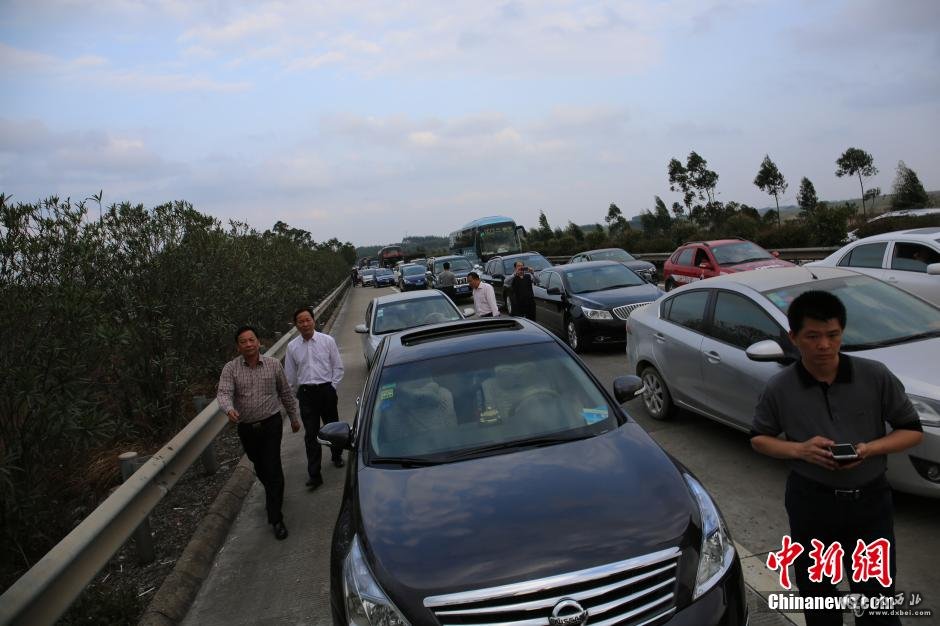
[749,487]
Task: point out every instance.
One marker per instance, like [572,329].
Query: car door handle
[660,337]
[713,357]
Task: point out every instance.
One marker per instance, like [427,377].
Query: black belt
[315,385]
[842,493]
[261,423]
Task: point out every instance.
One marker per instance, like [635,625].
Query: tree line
[113,319]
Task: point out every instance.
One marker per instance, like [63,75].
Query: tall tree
[806,198]
[575,231]
[909,193]
[544,229]
[679,180]
[695,181]
[616,223]
[770,180]
[856,162]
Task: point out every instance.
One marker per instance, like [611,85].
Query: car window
[613,255]
[740,322]
[701,257]
[368,314]
[412,270]
[445,408]
[878,314]
[576,259]
[913,257]
[740,252]
[603,278]
[865,255]
[688,309]
[396,316]
[554,280]
[685,257]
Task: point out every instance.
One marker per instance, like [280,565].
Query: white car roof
[928,233]
[773,278]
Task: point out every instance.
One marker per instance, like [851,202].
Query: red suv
[698,260]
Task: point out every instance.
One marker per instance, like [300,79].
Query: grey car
[711,346]
[394,312]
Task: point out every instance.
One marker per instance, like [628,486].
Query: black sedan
[590,302]
[479,492]
[645,269]
[499,268]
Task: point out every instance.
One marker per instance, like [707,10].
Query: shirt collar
[843,374]
[245,363]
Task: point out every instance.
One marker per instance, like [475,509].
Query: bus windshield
[487,237]
[498,239]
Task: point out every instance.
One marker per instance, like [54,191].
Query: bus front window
[499,239]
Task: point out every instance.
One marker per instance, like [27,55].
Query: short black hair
[308,309]
[241,329]
[446,265]
[818,305]
[473,275]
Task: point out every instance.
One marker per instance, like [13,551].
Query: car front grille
[623,312]
[627,593]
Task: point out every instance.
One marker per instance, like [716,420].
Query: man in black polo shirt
[829,398]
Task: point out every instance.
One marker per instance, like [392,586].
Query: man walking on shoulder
[484,298]
[314,369]
[251,389]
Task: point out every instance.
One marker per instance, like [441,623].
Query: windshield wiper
[404,461]
[852,347]
[534,442]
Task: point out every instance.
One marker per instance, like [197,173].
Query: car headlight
[717,553]
[366,603]
[596,314]
[928,410]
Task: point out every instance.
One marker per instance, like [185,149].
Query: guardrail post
[210,462]
[143,539]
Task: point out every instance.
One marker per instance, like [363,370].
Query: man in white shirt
[314,369]
[484,298]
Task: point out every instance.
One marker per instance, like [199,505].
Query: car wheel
[670,285]
[575,340]
[508,302]
[656,396]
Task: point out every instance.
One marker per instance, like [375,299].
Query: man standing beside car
[314,369]
[484,298]
[520,283]
[446,280]
[251,389]
[824,399]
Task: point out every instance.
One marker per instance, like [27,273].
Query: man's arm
[337,362]
[491,299]
[290,369]
[226,392]
[815,450]
[895,441]
[286,395]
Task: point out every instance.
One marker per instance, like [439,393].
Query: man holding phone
[520,284]
[831,409]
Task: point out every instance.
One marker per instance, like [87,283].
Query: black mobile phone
[843,452]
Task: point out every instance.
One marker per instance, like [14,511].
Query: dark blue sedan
[412,276]
[383,278]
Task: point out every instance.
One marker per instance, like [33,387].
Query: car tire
[670,285]
[508,302]
[573,337]
[656,397]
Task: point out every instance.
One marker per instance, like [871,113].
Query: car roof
[408,295]
[774,278]
[582,265]
[449,257]
[454,338]
[599,250]
[714,242]
[927,233]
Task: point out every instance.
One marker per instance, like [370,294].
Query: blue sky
[369,121]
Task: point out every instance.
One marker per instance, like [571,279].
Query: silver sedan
[711,346]
[398,311]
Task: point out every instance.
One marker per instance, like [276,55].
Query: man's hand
[294,426]
[233,416]
[816,451]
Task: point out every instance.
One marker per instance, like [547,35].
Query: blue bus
[487,237]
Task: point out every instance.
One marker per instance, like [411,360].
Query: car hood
[756,265]
[618,297]
[910,362]
[522,515]
[416,278]
[638,265]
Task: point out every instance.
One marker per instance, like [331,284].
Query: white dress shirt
[484,300]
[313,361]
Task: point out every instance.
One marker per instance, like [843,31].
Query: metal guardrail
[45,592]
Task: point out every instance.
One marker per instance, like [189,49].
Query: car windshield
[456,265]
[592,279]
[412,270]
[536,261]
[742,252]
[414,312]
[368,272]
[465,405]
[612,255]
[877,314]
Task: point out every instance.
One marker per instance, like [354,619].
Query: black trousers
[262,443]
[817,513]
[524,308]
[318,403]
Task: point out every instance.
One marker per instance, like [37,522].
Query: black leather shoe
[313,483]
[338,462]
[280,530]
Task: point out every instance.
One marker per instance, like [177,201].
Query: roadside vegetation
[114,318]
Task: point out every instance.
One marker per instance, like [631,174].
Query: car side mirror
[336,435]
[362,328]
[705,265]
[933,269]
[776,254]
[468,312]
[628,387]
[553,291]
[768,351]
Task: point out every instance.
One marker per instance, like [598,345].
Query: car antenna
[815,277]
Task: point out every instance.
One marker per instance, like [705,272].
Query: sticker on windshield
[779,301]
[380,313]
[387,392]
[592,416]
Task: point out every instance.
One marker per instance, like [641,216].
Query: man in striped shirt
[252,388]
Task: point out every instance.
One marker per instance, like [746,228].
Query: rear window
[450,407]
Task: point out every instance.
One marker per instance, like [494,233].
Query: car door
[549,308]
[907,269]
[684,271]
[677,344]
[366,349]
[732,382]
[867,258]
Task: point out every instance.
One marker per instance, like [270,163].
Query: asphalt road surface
[258,580]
